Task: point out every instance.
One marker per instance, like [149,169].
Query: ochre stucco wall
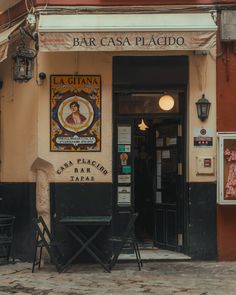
[202,76]
[25,119]
[81,64]
[19,115]
[26,139]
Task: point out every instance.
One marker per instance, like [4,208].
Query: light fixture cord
[27,6]
[46,5]
[205,75]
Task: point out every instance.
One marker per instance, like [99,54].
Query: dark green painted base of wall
[202,242]
[18,199]
[71,199]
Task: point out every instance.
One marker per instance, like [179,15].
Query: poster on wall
[230,169]
[227,169]
[75,113]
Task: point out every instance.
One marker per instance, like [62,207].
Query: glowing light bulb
[166,102]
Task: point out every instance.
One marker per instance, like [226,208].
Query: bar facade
[137,143]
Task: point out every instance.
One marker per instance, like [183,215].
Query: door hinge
[180,239]
[180,130]
[180,169]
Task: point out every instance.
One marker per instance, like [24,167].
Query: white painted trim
[221,136]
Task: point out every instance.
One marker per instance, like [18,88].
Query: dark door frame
[124,118]
[130,120]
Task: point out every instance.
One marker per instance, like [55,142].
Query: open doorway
[158,183]
[144,182]
[149,149]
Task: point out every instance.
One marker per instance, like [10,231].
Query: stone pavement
[160,278]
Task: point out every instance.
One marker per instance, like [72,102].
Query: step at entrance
[155,254]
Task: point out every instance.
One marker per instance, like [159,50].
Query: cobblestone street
[160,278]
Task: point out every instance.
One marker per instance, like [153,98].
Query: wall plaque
[75,113]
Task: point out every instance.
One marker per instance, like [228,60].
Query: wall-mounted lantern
[203,108]
[23,61]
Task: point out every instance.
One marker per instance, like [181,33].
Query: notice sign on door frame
[75,113]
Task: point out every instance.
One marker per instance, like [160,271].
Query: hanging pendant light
[143,126]
[166,102]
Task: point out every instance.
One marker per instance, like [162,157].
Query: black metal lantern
[23,62]
[203,108]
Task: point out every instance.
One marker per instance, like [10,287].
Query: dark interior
[150,73]
[138,84]
[144,172]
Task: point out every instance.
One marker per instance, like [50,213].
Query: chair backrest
[122,239]
[129,227]
[6,226]
[42,228]
[44,238]
[42,231]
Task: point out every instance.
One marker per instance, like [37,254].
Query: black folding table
[74,226]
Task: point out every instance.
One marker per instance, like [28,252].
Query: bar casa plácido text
[126,41]
[83,173]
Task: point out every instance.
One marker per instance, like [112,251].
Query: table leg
[85,246]
[92,246]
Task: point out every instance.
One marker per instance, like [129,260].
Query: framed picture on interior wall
[226,182]
[75,113]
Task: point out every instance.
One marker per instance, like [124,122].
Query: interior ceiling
[5,4]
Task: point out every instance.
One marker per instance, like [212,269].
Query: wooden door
[168,233]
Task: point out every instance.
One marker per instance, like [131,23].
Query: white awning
[4,40]
[106,32]
[127,22]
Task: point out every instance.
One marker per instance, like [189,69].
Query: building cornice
[20,10]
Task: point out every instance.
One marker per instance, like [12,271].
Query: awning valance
[116,32]
[4,40]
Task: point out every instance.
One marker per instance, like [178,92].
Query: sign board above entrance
[127,41]
[127,32]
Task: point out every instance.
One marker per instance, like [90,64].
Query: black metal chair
[6,237]
[127,238]
[45,240]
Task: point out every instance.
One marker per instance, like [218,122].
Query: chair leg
[140,259]
[114,258]
[35,260]
[8,251]
[35,257]
[112,262]
[4,251]
[40,257]
[13,253]
[137,255]
[56,262]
